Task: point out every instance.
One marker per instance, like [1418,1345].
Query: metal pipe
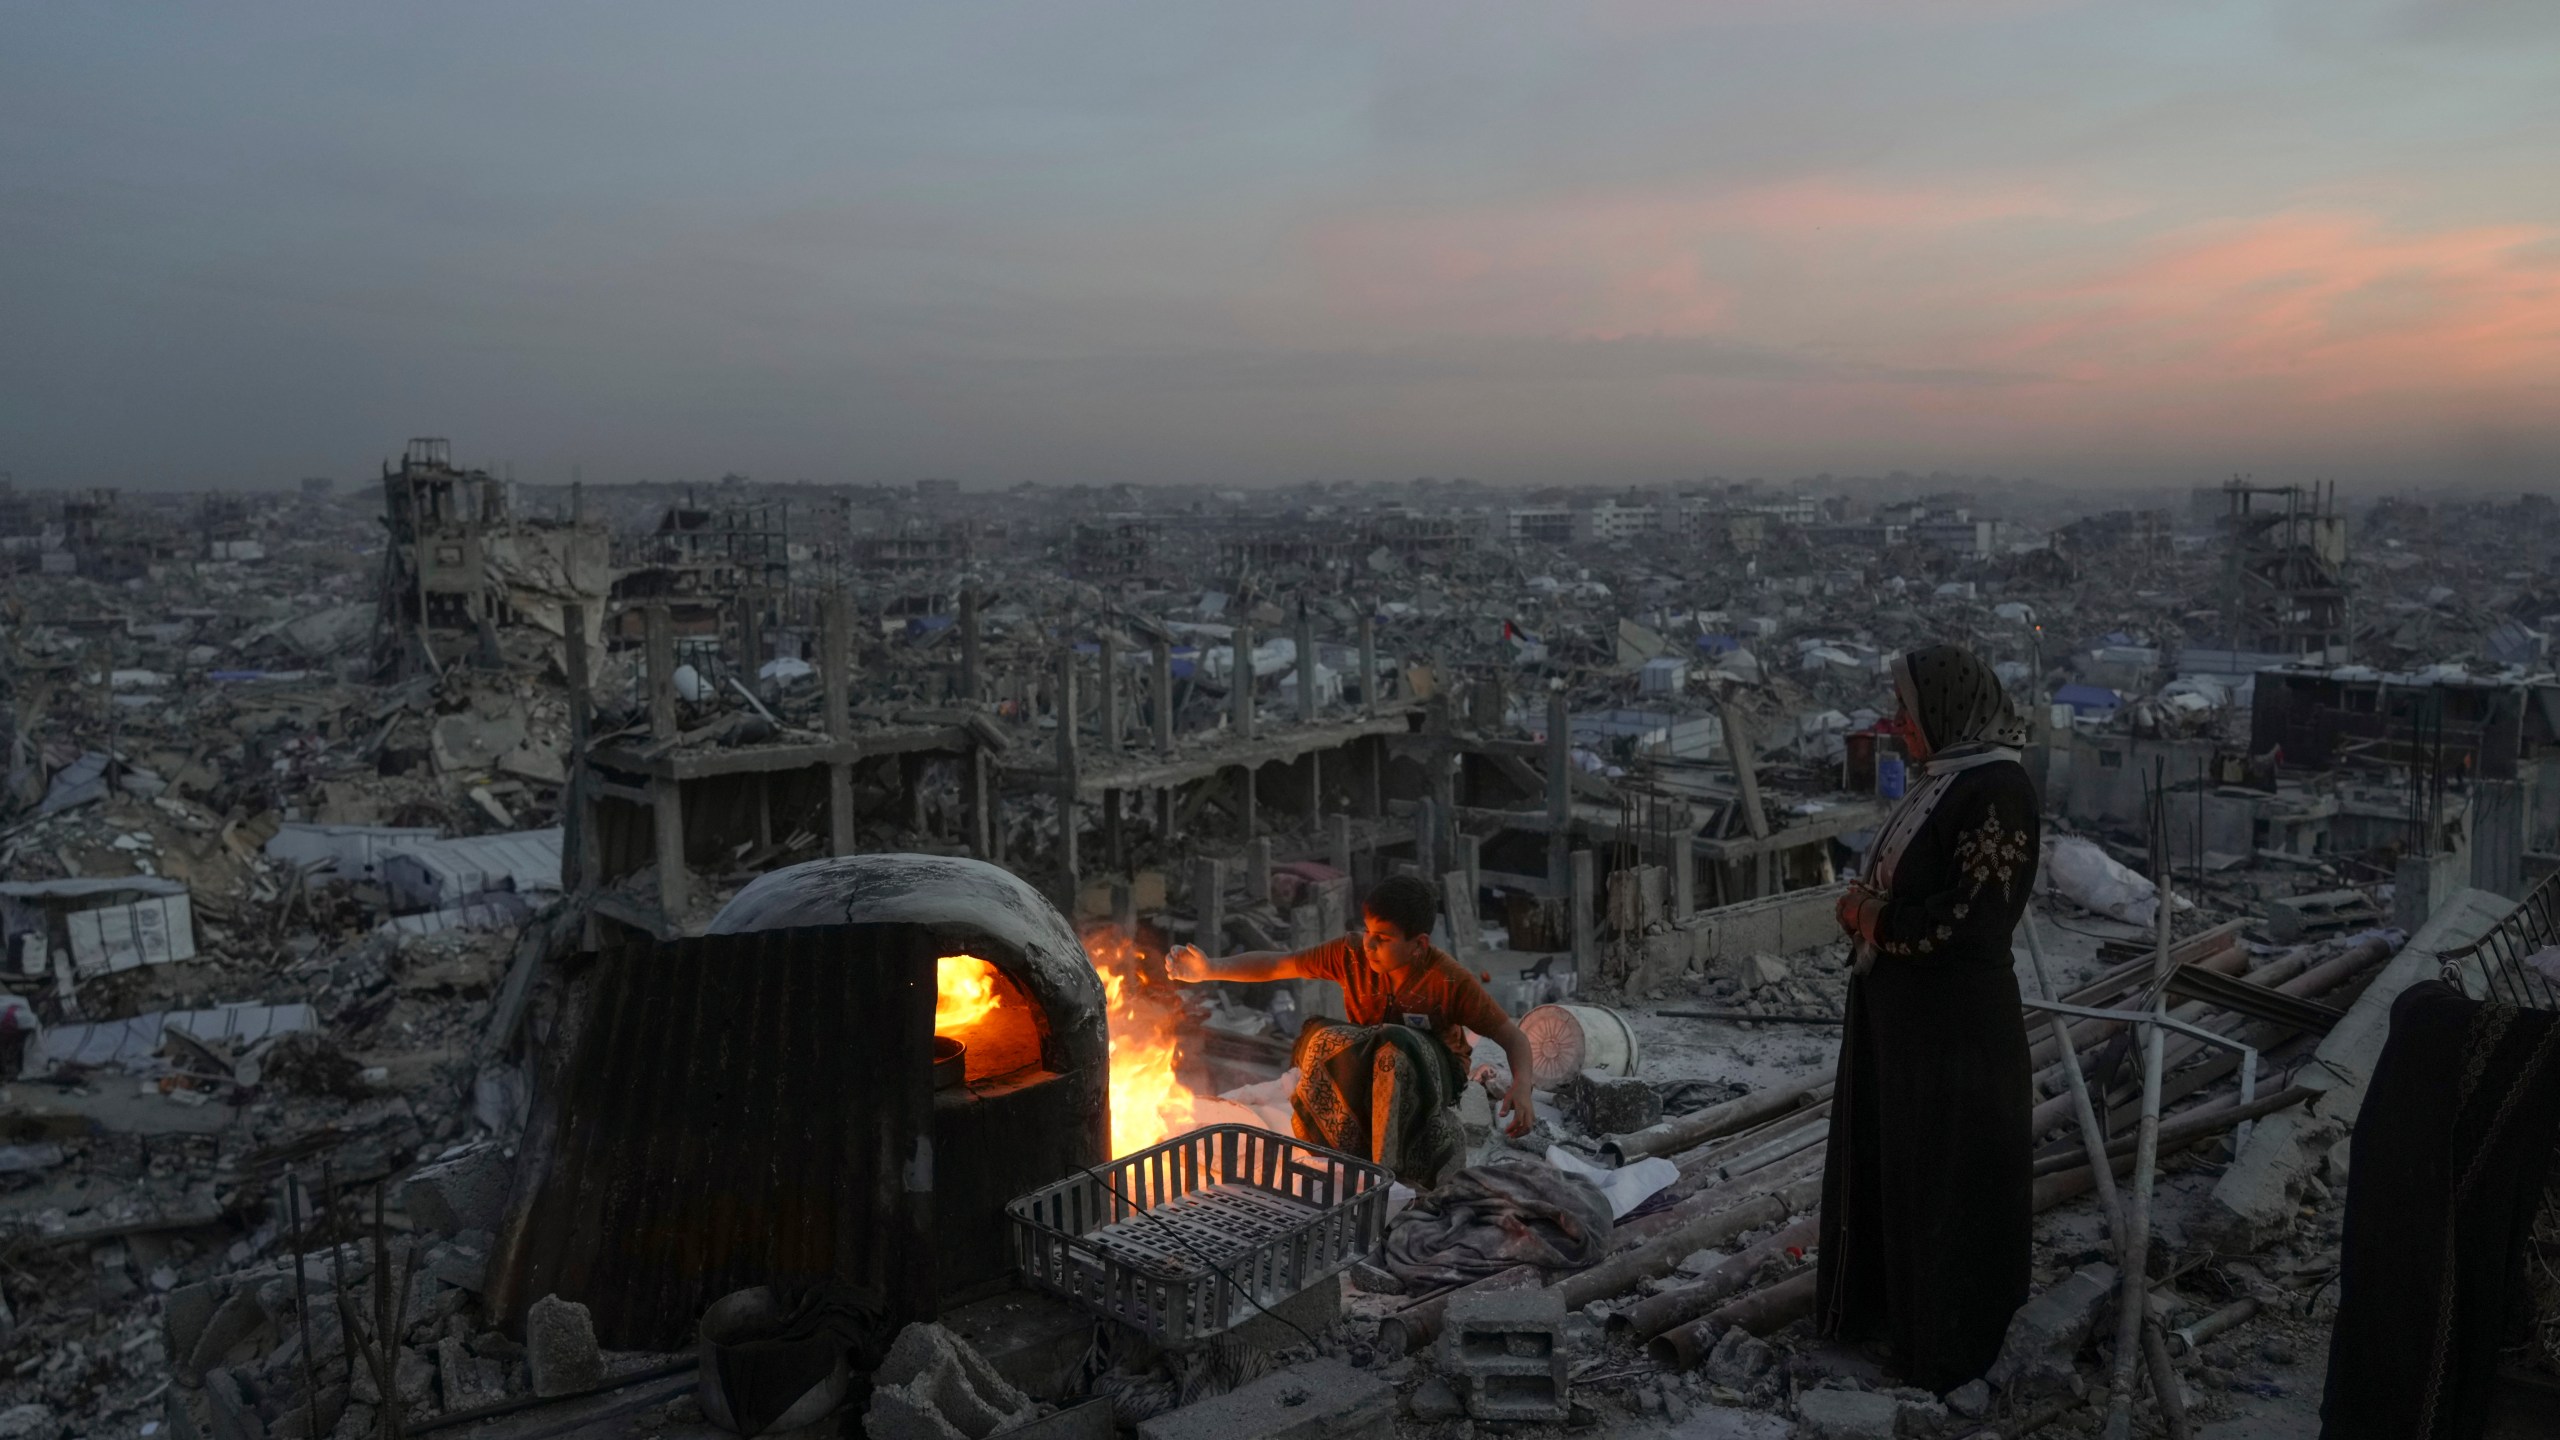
[2187,1339]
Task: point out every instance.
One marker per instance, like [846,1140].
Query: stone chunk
[1605,1104]
[1763,970]
[467,1379]
[1321,1400]
[560,1347]
[1846,1415]
[1739,1359]
[933,1385]
[2048,1331]
[1972,1399]
[1504,1353]
[464,1191]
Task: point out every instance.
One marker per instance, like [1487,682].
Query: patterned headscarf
[1957,701]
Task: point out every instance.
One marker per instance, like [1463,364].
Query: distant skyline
[1607,242]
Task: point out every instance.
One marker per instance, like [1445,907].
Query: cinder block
[1503,1351]
[1320,1400]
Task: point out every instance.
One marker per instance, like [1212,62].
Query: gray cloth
[1486,1219]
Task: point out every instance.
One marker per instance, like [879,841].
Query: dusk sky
[1582,241]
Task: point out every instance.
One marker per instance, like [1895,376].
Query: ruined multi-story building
[460,565]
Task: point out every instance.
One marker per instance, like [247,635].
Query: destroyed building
[491,914]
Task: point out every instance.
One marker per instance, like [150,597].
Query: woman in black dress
[1925,1201]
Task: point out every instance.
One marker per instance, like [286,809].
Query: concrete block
[1504,1353]
[467,1191]
[933,1385]
[1320,1400]
[2048,1331]
[560,1347]
[1972,1399]
[1846,1415]
[467,1379]
[1604,1104]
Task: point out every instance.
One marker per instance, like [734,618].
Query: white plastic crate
[1186,1238]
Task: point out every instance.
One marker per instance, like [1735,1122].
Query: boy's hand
[1185,964]
[1522,1106]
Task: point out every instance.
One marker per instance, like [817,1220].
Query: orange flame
[1148,1103]
[964,992]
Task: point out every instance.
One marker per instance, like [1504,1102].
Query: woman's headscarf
[1957,701]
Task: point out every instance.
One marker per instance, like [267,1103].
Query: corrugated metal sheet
[735,1110]
[431,874]
[346,852]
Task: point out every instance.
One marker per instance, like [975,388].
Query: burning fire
[964,992]
[1147,1102]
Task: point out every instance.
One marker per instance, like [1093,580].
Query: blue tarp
[927,624]
[1719,644]
[2088,697]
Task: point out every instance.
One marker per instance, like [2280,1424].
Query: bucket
[1565,1040]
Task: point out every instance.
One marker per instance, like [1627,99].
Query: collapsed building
[477,911]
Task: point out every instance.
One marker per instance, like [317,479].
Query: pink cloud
[1608,266]
[2322,307]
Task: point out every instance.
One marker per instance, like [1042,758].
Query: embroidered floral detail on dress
[1992,851]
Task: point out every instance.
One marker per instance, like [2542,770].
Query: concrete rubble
[306,793]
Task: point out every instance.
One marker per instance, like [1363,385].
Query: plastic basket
[1186,1238]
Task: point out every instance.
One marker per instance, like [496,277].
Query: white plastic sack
[2087,876]
[1627,1187]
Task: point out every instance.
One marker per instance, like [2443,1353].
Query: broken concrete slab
[2048,1331]
[2259,1193]
[463,1190]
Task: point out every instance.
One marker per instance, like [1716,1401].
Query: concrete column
[675,884]
[751,636]
[835,657]
[1257,869]
[1114,844]
[579,848]
[661,642]
[1376,746]
[1315,789]
[970,690]
[1559,786]
[1426,838]
[1471,860]
[1368,662]
[1458,898]
[977,803]
[1162,653]
[1241,681]
[1337,835]
[1248,800]
[1108,697]
[1209,906]
[1306,665]
[1586,946]
[1684,876]
[1444,811]
[1070,768]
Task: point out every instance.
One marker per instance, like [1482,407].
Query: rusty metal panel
[737,1110]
